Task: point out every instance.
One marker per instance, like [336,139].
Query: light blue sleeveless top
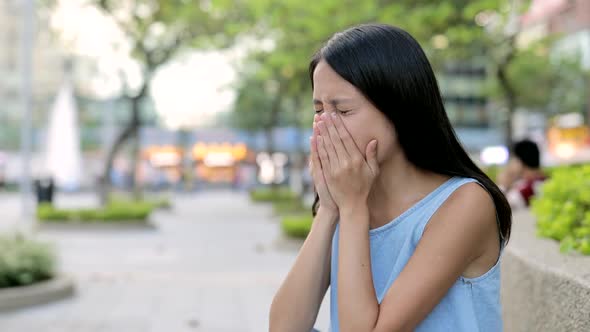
[471,305]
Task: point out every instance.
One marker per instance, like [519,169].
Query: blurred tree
[157,30]
[275,88]
[551,84]
[449,30]
[489,31]
[461,30]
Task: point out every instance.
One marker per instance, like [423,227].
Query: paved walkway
[212,264]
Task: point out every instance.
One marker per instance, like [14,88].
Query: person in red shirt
[522,177]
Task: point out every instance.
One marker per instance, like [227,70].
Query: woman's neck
[400,185]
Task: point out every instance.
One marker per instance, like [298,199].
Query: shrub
[161,202]
[297,226]
[287,207]
[24,262]
[113,212]
[563,209]
[272,194]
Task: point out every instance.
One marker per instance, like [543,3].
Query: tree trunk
[136,146]
[131,131]
[274,119]
[507,89]
[106,185]
[300,165]
[510,101]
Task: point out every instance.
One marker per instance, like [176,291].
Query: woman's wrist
[355,212]
[327,216]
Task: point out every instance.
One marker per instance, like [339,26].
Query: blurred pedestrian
[522,177]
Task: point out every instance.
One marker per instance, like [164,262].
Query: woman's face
[364,122]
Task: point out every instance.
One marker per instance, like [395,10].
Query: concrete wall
[542,289]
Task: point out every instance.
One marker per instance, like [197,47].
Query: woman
[407,230]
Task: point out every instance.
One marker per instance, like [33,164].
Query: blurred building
[568,136]
[47,71]
[462,86]
[567,19]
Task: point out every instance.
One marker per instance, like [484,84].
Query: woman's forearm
[296,303]
[358,308]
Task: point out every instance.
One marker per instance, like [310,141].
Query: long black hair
[390,68]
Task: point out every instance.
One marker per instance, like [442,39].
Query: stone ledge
[542,289]
[55,289]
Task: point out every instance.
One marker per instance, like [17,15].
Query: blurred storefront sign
[218,162]
[209,162]
[568,136]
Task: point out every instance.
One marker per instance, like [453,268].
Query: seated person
[522,177]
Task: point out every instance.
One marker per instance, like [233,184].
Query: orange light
[239,151]
[199,151]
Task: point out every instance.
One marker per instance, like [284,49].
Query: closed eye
[339,111]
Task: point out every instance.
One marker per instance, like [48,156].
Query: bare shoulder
[470,203]
[469,213]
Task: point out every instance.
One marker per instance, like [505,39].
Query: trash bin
[44,190]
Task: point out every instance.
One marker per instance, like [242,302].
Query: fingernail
[334,115]
[324,116]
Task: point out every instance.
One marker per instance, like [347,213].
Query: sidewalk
[212,264]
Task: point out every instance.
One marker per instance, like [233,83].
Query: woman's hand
[326,201]
[348,174]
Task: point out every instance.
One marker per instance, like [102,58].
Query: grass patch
[158,202]
[113,212]
[289,207]
[269,194]
[297,226]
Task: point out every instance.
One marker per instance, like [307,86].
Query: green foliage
[491,172]
[280,194]
[297,226]
[24,262]
[158,202]
[114,212]
[559,84]
[288,207]
[563,209]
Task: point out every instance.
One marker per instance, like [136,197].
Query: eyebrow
[334,102]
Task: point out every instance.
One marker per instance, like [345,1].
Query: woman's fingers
[327,144]
[323,154]
[335,138]
[347,141]
[315,158]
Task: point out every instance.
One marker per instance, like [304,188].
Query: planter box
[43,292]
[543,289]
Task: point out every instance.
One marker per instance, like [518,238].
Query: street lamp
[27,28]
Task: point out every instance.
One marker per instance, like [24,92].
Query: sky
[188,91]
